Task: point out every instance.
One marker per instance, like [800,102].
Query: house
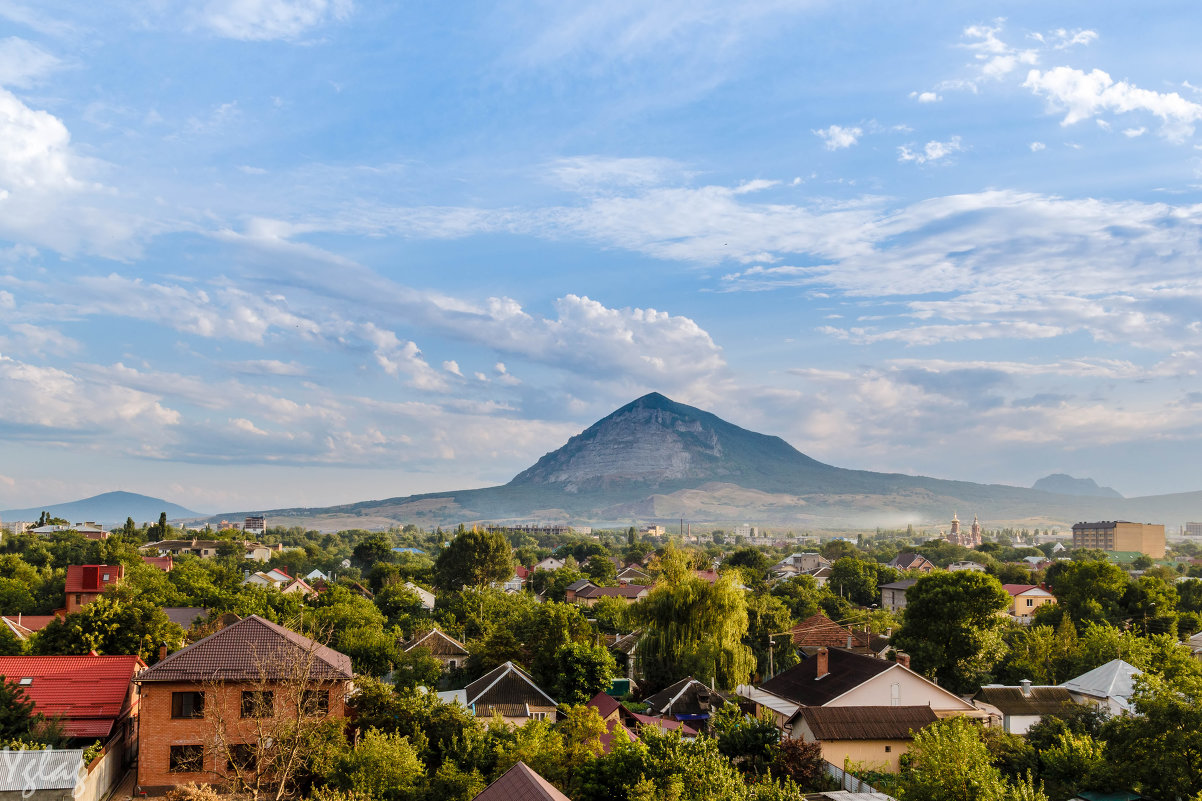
[164,563]
[316,575]
[872,736]
[976,567]
[835,677]
[91,696]
[278,579]
[821,575]
[1194,644]
[24,625]
[801,563]
[687,701]
[521,783]
[893,595]
[550,563]
[185,616]
[912,561]
[207,549]
[1025,599]
[587,593]
[508,691]
[1108,687]
[619,721]
[443,647]
[425,595]
[1019,708]
[632,575]
[215,690]
[86,583]
[819,631]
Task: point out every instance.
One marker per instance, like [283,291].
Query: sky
[265,253]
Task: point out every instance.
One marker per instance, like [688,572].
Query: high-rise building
[1121,535]
[1193,529]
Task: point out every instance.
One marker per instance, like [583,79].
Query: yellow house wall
[1019,608]
[866,754]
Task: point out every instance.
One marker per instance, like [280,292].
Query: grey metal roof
[52,769]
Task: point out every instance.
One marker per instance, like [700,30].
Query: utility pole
[771,666]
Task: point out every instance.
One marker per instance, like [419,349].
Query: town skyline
[279,254]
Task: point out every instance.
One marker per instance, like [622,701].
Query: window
[241,757]
[888,748]
[257,703]
[187,705]
[538,715]
[895,695]
[451,664]
[186,759]
[1030,602]
[78,598]
[315,702]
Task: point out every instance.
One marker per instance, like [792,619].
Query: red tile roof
[1018,589]
[91,578]
[604,704]
[250,650]
[521,783]
[24,625]
[87,692]
[819,630]
[163,563]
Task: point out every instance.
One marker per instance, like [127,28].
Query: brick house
[209,702]
[86,583]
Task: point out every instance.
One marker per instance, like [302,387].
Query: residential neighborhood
[568,656]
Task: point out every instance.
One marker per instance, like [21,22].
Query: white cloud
[836,137]
[271,19]
[1063,39]
[452,367]
[1081,95]
[592,173]
[1037,146]
[1131,133]
[932,151]
[23,63]
[926,97]
[994,58]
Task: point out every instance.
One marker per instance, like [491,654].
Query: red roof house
[24,625]
[164,563]
[85,583]
[521,783]
[90,695]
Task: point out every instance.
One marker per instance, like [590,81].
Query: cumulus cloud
[837,137]
[926,97]
[1082,95]
[271,19]
[932,151]
[1037,146]
[993,57]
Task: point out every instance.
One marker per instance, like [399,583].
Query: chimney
[823,663]
[903,659]
[162,652]
[1026,685]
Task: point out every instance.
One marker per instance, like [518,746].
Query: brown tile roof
[907,560]
[520,783]
[605,705]
[250,650]
[438,643]
[686,697]
[624,591]
[1012,701]
[801,685]
[506,684]
[92,578]
[866,722]
[820,630]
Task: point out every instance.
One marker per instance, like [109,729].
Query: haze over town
[272,254]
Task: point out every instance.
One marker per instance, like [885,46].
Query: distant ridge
[109,508]
[657,460]
[1067,485]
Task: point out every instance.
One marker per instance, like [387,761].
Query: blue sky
[257,253]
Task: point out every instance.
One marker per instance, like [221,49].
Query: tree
[749,742]
[583,671]
[416,668]
[17,715]
[951,627]
[117,622]
[692,627]
[801,762]
[473,559]
[373,549]
[601,570]
[769,618]
[857,580]
[380,766]
[948,761]
[1088,591]
[1159,749]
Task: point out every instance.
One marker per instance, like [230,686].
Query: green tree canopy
[951,627]
[473,559]
[110,625]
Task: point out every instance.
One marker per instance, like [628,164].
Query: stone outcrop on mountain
[658,460]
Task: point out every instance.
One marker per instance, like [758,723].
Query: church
[970,539]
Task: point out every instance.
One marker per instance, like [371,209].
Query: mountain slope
[109,508]
[658,460]
[1067,485]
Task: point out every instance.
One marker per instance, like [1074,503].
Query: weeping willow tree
[693,628]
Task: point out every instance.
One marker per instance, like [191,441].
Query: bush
[193,792]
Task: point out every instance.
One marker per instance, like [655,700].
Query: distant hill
[109,509]
[656,460]
[1067,485]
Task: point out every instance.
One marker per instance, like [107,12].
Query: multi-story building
[1193,529]
[1121,535]
[255,524]
[216,701]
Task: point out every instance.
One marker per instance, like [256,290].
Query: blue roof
[408,550]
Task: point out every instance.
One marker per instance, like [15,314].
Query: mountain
[109,508]
[1067,485]
[656,460]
